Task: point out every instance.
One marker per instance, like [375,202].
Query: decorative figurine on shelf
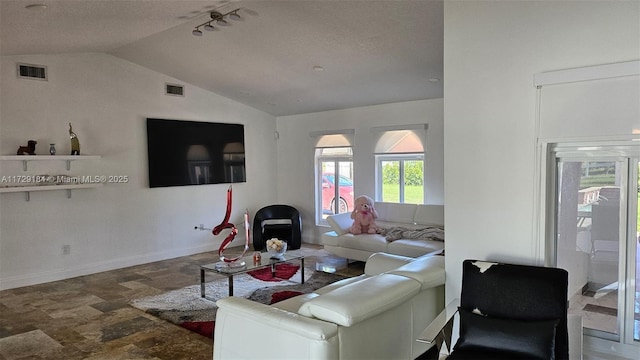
[52,149]
[231,263]
[30,149]
[75,143]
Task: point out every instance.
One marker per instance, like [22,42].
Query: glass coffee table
[264,262]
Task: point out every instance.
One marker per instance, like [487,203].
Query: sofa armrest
[330,238]
[379,263]
[240,309]
[340,223]
[438,325]
[247,330]
[361,300]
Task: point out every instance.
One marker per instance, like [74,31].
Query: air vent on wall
[173,89]
[28,71]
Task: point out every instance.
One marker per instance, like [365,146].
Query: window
[400,169]
[334,176]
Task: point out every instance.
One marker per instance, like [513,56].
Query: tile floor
[601,312]
[597,313]
[88,317]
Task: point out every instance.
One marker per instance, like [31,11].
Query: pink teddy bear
[364,216]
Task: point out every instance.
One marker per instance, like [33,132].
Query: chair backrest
[272,212]
[518,292]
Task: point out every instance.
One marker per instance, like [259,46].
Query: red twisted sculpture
[225,224]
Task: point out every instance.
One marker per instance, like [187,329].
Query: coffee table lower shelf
[265,261]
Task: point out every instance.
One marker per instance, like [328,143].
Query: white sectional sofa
[377,315]
[359,247]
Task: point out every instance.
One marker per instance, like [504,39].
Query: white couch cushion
[338,284]
[361,300]
[366,242]
[294,303]
[391,225]
[340,223]
[331,238]
[414,248]
[394,212]
[428,270]
[429,215]
[381,262]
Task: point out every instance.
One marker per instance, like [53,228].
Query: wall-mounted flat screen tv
[194,153]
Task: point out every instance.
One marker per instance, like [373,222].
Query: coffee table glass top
[265,261]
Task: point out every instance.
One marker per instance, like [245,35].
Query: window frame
[319,160]
[555,151]
[401,158]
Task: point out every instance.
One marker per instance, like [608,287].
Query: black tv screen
[194,153]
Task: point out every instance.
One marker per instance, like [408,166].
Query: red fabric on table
[284,271]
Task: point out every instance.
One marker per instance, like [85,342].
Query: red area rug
[185,307]
[205,328]
[284,271]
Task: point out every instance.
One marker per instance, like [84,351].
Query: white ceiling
[372,52]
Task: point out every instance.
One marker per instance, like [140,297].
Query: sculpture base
[230,266]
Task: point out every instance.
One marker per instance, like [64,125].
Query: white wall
[296,151]
[107,100]
[492,51]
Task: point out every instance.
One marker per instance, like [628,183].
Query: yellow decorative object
[75,143]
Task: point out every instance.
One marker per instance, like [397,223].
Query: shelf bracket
[68,165]
[68,193]
[24,165]
[26,196]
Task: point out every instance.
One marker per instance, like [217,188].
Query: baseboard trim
[12,282]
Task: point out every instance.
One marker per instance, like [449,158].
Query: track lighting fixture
[217,18]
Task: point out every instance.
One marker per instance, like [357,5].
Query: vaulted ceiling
[369,52]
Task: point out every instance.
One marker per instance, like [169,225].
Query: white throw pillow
[340,223]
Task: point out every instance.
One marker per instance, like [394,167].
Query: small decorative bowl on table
[276,248]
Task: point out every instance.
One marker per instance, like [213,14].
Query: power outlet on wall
[66,249]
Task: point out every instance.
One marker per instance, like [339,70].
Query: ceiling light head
[318,68]
[217,17]
[434,80]
[234,16]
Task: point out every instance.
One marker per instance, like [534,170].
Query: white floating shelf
[29,188]
[68,158]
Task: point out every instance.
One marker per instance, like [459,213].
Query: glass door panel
[336,187]
[588,239]
[390,181]
[636,300]
[413,181]
[345,187]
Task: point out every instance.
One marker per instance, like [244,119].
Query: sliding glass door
[596,227]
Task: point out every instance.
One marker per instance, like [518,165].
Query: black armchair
[506,312]
[280,221]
